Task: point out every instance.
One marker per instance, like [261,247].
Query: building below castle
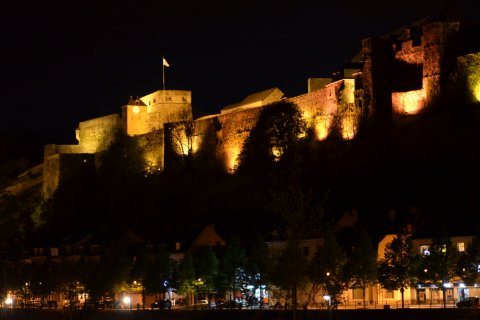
[393,77]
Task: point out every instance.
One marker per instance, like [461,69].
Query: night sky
[70,61]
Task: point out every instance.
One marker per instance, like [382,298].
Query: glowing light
[126,300]
[277,153]
[476,91]
[232,158]
[447,285]
[322,127]
[136,109]
[461,285]
[8,301]
[326,298]
[411,102]
[349,127]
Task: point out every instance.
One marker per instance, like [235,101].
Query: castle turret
[151,112]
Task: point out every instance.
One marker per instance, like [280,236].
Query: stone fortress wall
[395,76]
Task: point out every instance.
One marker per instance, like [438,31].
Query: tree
[326,270]
[258,265]
[109,275]
[438,266]
[207,270]
[278,129]
[232,265]
[73,274]
[186,275]
[123,159]
[469,260]
[397,269]
[361,270]
[299,215]
[290,270]
[158,274]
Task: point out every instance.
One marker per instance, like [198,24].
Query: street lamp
[329,299]
[126,300]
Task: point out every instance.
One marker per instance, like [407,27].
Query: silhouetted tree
[361,269]
[258,266]
[326,270]
[158,273]
[232,265]
[290,270]
[299,216]
[207,270]
[438,267]
[397,269]
[278,129]
[186,276]
[469,260]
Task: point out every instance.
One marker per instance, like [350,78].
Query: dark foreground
[407,314]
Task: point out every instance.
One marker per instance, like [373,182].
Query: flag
[165,63]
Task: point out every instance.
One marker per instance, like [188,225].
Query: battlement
[151,112]
[394,76]
[167,96]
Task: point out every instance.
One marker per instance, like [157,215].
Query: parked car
[112,304]
[470,302]
[229,304]
[205,304]
[72,304]
[161,305]
[91,304]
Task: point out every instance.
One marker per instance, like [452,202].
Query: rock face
[395,76]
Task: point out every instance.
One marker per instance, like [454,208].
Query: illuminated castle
[393,77]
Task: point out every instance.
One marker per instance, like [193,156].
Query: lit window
[177,245]
[461,246]
[425,249]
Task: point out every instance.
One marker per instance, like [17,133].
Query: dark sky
[69,61]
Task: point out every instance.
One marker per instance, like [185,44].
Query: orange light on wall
[153,162]
[277,153]
[322,127]
[348,127]
[411,102]
[232,158]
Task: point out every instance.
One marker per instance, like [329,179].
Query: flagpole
[163,72]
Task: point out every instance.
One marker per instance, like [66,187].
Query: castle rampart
[401,74]
[95,135]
